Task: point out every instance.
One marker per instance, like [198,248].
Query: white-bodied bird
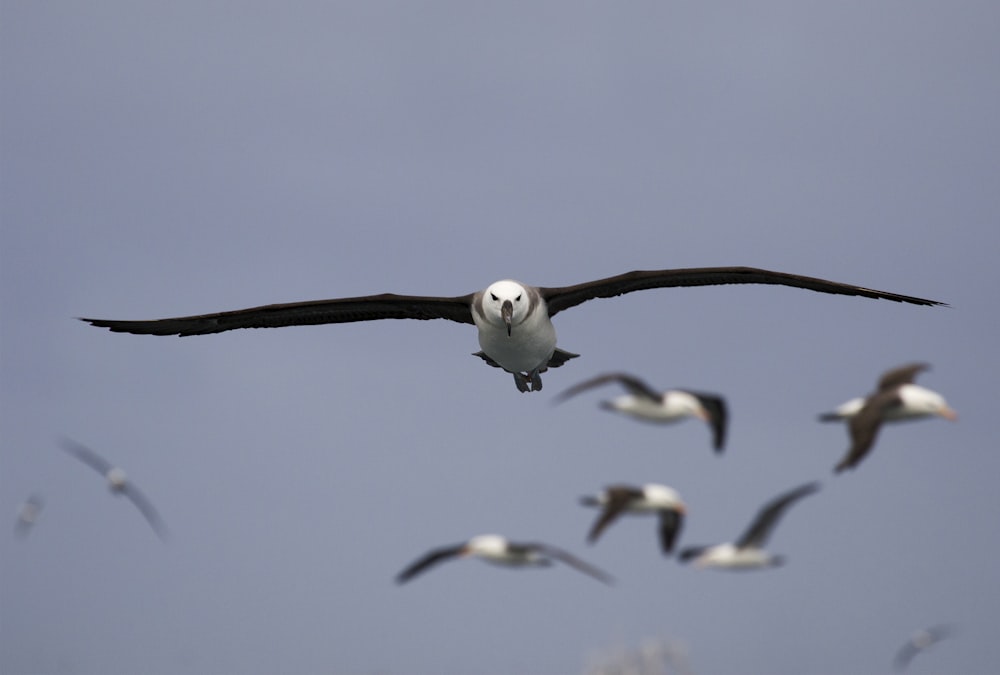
[896,399]
[118,483]
[644,403]
[499,551]
[660,500]
[748,551]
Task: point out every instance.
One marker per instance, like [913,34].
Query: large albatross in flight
[513,319]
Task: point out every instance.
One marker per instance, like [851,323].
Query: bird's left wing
[572,561]
[147,509]
[559,298]
[768,516]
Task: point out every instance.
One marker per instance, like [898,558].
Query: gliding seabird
[919,642]
[748,551]
[513,319]
[896,399]
[118,483]
[652,498]
[498,550]
[28,514]
[646,404]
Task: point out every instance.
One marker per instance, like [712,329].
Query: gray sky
[180,158]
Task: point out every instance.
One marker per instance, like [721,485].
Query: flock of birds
[516,334]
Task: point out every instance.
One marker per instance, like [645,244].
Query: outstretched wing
[718,417]
[671,523]
[864,427]
[634,385]
[572,561]
[429,560]
[618,498]
[899,376]
[564,297]
[87,456]
[147,509]
[758,532]
[337,310]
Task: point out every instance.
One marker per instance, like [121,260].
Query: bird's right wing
[634,385]
[864,428]
[618,499]
[429,560]
[86,455]
[336,310]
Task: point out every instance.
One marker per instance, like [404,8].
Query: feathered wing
[718,417]
[632,384]
[617,500]
[427,561]
[147,509]
[897,377]
[671,523]
[691,552]
[86,455]
[769,515]
[572,561]
[559,298]
[864,427]
[336,310]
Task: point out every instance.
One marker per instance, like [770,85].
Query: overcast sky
[162,159]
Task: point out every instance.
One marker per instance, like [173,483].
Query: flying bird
[28,514]
[661,500]
[895,399]
[919,642]
[661,407]
[513,319]
[499,551]
[748,552]
[118,483]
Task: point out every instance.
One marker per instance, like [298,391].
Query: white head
[923,401]
[663,496]
[505,303]
[116,479]
[487,545]
[681,403]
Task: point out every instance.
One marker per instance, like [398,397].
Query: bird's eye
[518,298]
[494,296]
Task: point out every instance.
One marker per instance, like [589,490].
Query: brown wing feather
[618,498]
[899,376]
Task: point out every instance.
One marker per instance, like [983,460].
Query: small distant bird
[921,640]
[660,407]
[748,551]
[616,500]
[895,399]
[513,319]
[499,551]
[118,483]
[28,514]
